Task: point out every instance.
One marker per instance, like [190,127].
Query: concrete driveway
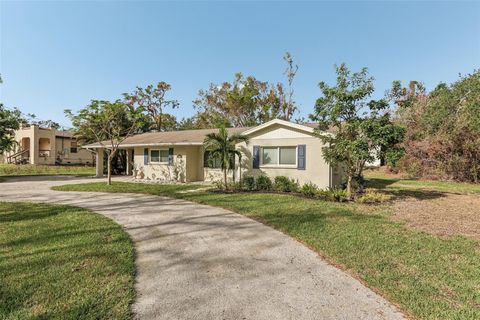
[200,262]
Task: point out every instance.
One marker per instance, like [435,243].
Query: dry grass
[450,215]
[437,207]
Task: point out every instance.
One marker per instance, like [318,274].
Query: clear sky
[57,55]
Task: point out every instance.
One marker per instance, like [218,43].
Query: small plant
[333,194]
[309,190]
[248,183]
[372,196]
[284,184]
[264,183]
[235,186]
[219,185]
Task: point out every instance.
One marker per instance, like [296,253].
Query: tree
[222,147]
[109,123]
[32,119]
[289,107]
[442,137]
[9,122]
[153,101]
[359,124]
[244,102]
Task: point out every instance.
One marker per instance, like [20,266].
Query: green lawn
[427,276]
[61,262]
[42,170]
[388,182]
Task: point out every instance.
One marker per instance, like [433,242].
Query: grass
[389,182]
[41,170]
[62,262]
[426,276]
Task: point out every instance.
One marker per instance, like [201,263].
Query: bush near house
[264,183]
[285,184]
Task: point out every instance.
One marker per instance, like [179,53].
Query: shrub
[264,183]
[235,186]
[309,190]
[333,194]
[372,196]
[248,183]
[284,184]
[219,185]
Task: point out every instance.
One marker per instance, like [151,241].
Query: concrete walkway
[200,262]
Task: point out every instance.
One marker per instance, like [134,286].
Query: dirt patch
[452,214]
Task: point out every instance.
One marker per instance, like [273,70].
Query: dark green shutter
[301,156]
[256,157]
[170,156]
[145,156]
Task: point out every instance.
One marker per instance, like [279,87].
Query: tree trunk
[109,169]
[349,187]
[225,178]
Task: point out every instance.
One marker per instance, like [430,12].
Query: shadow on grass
[38,213]
[399,193]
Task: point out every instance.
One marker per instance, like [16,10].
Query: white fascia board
[132,145]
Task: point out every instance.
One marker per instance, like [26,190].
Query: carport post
[99,163]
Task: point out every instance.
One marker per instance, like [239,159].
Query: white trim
[280,122]
[159,156]
[132,145]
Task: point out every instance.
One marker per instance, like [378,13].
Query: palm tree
[222,147]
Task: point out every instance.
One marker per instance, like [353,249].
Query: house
[37,145]
[276,148]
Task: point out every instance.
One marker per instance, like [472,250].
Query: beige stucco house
[276,148]
[36,145]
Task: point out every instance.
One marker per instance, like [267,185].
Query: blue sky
[57,55]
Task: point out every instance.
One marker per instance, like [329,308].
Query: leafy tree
[442,137]
[108,123]
[222,147]
[246,101]
[242,103]
[152,99]
[9,122]
[362,129]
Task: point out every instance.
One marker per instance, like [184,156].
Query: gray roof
[185,137]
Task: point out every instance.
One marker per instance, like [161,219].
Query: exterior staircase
[20,157]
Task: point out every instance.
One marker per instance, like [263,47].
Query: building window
[270,156]
[73,146]
[159,156]
[279,156]
[211,162]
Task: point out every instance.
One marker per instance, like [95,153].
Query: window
[279,156]
[159,156]
[73,146]
[270,156]
[288,155]
[211,162]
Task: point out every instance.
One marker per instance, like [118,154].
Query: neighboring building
[276,148]
[37,145]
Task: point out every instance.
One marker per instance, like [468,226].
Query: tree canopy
[107,123]
[363,129]
[442,129]
[9,122]
[152,99]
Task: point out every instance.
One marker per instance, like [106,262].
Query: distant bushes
[442,138]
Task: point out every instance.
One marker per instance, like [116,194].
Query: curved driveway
[200,262]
